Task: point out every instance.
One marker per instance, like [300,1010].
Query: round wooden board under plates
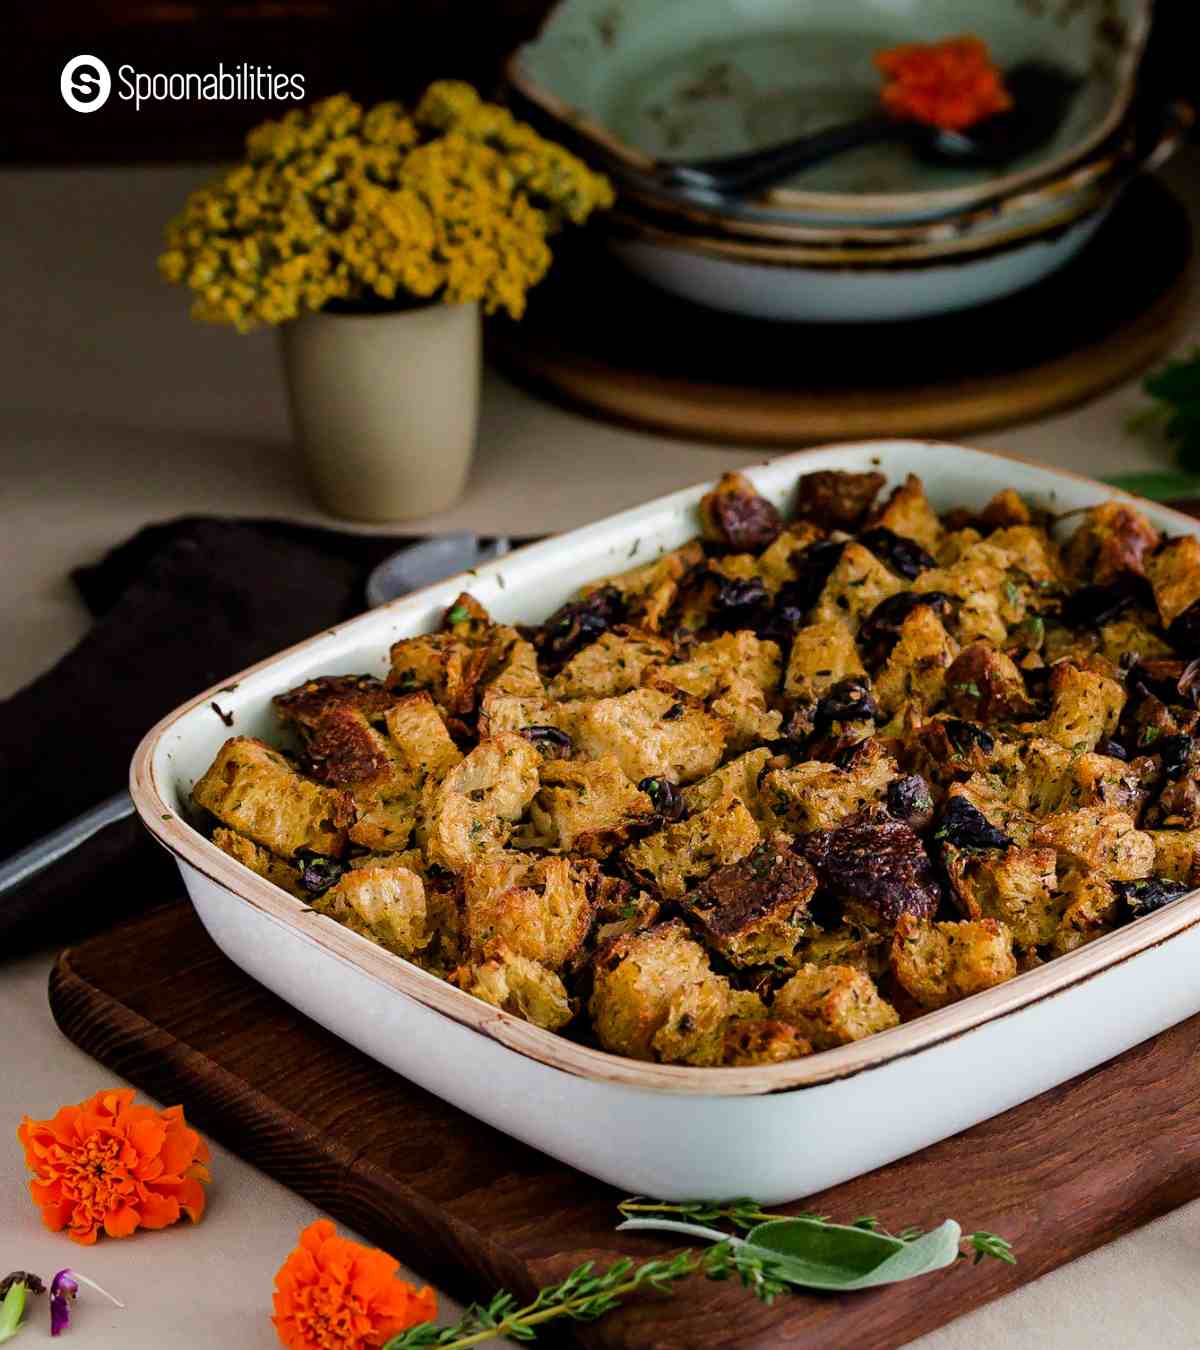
[599,338]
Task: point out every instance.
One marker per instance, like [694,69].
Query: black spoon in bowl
[1041,95]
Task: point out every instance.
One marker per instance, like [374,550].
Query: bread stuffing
[836,762]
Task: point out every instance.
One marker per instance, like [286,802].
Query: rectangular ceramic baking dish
[777,1132]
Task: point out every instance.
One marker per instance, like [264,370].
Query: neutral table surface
[116,411]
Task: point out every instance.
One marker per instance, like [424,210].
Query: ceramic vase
[385,407]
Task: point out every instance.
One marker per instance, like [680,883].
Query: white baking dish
[777,1132]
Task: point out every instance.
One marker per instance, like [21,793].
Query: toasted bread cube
[538,909]
[907,512]
[822,654]
[344,750]
[260,860]
[1031,552]
[1085,707]
[710,664]
[450,668]
[742,706]
[740,776]
[386,904]
[255,791]
[914,674]
[650,590]
[977,579]
[650,732]
[855,586]
[1113,539]
[1177,855]
[519,986]
[611,665]
[587,806]
[1090,910]
[681,854]
[846,945]
[1101,840]
[755,910]
[832,1005]
[469,811]
[940,963]
[761,1040]
[984,685]
[819,796]
[1018,886]
[693,1029]
[1005,508]
[637,978]
[1174,574]
[513,667]
[774,565]
[514,712]
[419,734]
[305,706]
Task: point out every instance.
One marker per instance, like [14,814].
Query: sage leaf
[837,1258]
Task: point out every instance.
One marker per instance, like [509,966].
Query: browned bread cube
[762,1040]
[836,499]
[822,654]
[914,673]
[815,795]
[755,910]
[650,732]
[676,857]
[538,908]
[255,791]
[386,904]
[984,685]
[1114,538]
[1015,885]
[1084,707]
[832,1005]
[611,665]
[940,963]
[261,860]
[587,806]
[637,977]
[518,986]
[1104,841]
[856,585]
[907,512]
[740,776]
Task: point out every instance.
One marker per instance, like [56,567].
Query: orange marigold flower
[951,84]
[334,1294]
[108,1163]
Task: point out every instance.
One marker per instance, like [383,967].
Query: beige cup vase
[385,407]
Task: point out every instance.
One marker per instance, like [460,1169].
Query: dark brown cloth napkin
[178,607]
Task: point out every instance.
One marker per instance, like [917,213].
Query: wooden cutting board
[471,1209]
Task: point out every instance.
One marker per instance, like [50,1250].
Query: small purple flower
[64,1289]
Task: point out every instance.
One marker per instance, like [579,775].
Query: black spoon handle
[738,174]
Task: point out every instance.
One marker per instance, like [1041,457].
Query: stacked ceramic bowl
[876,233]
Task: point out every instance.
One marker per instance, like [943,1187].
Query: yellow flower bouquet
[337,206]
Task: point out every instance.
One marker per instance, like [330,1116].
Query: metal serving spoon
[411,568]
[1041,94]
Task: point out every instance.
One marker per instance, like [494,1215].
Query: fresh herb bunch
[779,1252]
[1176,391]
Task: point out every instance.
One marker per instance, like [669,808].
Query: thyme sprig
[585,1295]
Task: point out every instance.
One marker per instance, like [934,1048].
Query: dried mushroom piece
[877,866]
[983,684]
[737,516]
[755,910]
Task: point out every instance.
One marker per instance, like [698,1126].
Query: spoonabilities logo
[85,83]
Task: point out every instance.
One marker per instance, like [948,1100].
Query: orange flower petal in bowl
[335,1294]
[951,84]
[108,1163]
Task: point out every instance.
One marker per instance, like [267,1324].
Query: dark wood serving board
[471,1209]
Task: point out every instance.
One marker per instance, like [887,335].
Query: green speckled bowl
[636,82]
